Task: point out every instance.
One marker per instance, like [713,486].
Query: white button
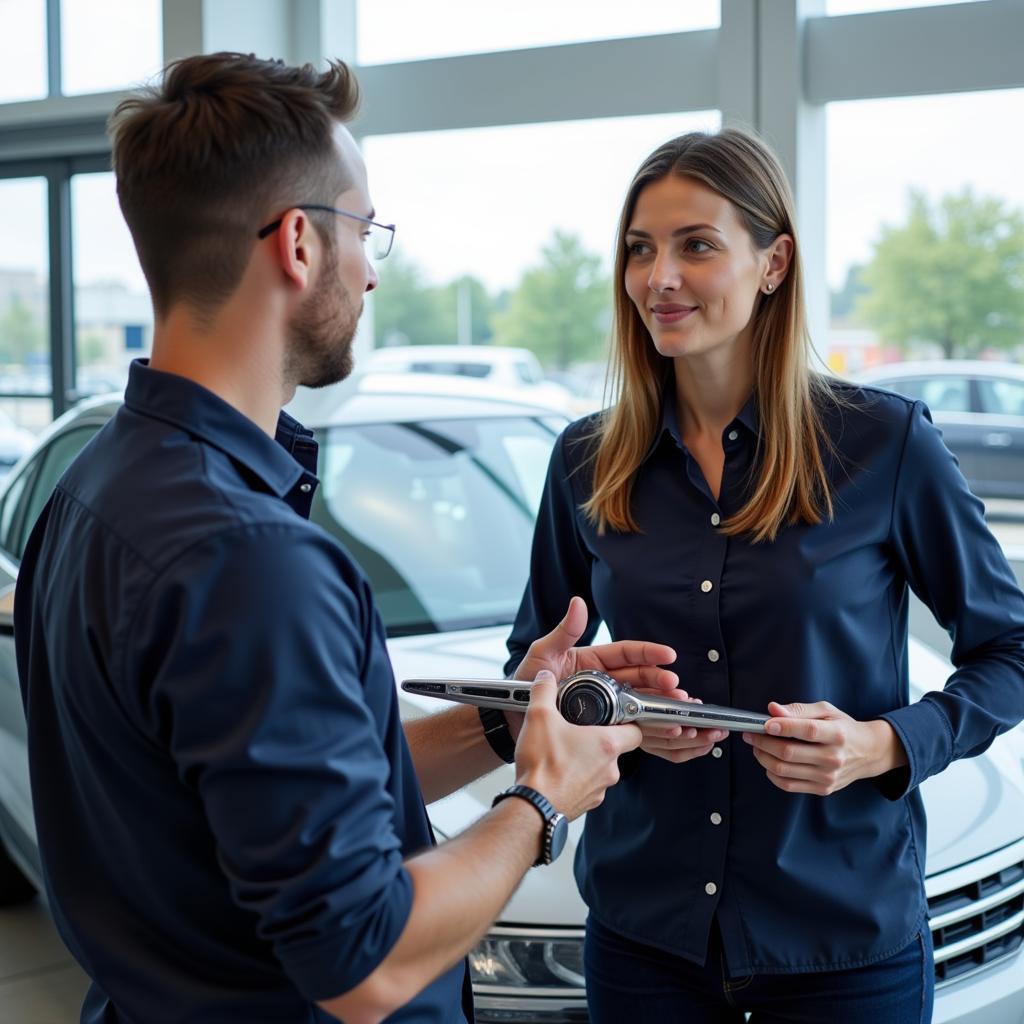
[716,751]
[711,888]
[716,818]
[706,586]
[305,488]
[733,435]
[715,518]
[712,655]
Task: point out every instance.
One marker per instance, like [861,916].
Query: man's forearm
[459,888]
[449,750]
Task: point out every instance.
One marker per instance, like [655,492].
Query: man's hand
[816,748]
[572,765]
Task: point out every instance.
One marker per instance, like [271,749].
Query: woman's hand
[677,743]
[633,663]
[816,748]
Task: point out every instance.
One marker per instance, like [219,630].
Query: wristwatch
[556,826]
[497,733]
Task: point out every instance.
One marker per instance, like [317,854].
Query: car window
[528,373]
[11,504]
[1005,397]
[53,460]
[451,368]
[940,394]
[438,513]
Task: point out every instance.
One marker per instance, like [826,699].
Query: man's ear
[297,247]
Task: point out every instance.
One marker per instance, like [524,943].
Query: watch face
[585,704]
[558,830]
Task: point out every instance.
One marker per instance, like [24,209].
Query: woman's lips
[669,313]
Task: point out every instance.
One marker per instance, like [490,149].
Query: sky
[484,201]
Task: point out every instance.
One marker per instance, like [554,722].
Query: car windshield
[439,514]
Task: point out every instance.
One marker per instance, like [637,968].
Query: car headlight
[536,958]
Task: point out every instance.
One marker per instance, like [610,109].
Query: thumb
[573,623]
[544,689]
[786,710]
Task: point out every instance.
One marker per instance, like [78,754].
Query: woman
[765,521]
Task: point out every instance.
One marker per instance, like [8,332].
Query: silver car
[436,496]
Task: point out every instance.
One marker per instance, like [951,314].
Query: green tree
[843,301]
[953,275]
[407,311]
[21,333]
[560,308]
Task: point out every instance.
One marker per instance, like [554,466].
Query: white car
[510,373]
[436,498]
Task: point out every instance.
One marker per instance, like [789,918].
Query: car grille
[980,921]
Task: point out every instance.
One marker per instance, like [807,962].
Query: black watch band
[497,733]
[556,825]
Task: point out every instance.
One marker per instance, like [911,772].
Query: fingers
[544,690]
[810,730]
[683,739]
[623,737]
[625,653]
[794,751]
[661,681]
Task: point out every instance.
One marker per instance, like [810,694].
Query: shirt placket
[711,684]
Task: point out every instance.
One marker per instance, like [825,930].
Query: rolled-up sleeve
[261,704]
[957,568]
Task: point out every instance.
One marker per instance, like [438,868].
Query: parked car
[511,371]
[980,408]
[420,488]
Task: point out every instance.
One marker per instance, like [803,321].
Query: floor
[39,982]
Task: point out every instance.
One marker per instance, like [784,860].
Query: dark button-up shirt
[222,788]
[797,882]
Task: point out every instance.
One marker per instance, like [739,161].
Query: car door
[20,506]
[999,404]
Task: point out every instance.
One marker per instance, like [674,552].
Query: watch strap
[497,734]
[544,807]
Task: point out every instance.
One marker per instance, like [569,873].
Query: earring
[769,287]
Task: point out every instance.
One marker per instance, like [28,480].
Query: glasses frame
[388,239]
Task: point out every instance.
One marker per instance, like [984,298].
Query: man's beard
[320,336]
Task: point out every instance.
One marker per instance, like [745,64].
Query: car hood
[974,807]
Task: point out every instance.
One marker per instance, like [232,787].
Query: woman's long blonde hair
[792,484]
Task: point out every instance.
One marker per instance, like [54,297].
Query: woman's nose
[665,275]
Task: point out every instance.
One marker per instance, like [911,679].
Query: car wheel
[15,888]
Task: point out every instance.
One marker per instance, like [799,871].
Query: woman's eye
[638,248]
[697,245]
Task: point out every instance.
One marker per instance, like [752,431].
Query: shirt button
[716,818]
[715,518]
[711,888]
[716,751]
[733,435]
[305,488]
[706,586]
[713,655]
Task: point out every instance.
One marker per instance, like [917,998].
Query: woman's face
[691,268]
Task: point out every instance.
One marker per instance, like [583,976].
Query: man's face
[321,332]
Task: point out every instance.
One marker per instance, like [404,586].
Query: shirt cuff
[923,730]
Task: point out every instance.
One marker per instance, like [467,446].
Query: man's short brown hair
[223,144]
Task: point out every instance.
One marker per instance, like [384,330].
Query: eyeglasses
[380,238]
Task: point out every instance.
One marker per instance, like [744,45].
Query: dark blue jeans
[630,982]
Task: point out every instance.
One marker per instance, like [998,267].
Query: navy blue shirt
[797,882]
[222,788]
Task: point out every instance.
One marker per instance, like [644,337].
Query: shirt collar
[748,417]
[280,463]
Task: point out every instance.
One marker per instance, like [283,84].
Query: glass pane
[109,44]
[860,6]
[24,313]
[926,246]
[419,505]
[22,50]
[113,315]
[394,30]
[516,254]
[1002,397]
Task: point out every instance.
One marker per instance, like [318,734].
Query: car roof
[461,353]
[941,368]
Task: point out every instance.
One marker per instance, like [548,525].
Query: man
[230,814]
